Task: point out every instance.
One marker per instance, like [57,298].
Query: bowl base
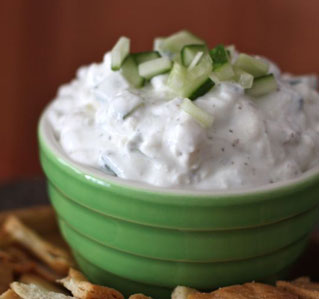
[125,286]
[129,287]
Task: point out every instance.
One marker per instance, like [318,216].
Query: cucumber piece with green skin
[252,65]
[133,110]
[202,89]
[175,42]
[196,60]
[146,56]
[120,52]
[130,72]
[177,58]
[154,67]
[231,50]
[186,83]
[204,119]
[262,86]
[189,52]
[214,78]
[224,72]
[219,56]
[243,78]
[157,44]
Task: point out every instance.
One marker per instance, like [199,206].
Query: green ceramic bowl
[139,238]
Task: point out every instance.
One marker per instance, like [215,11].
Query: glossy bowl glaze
[140,238]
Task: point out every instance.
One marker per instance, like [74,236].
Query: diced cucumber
[219,56]
[120,52]
[177,41]
[184,82]
[252,65]
[109,166]
[177,58]
[132,110]
[204,119]
[189,52]
[214,78]
[202,89]
[107,169]
[243,78]
[154,67]
[196,60]
[224,72]
[157,44]
[178,81]
[145,56]
[231,50]
[130,72]
[262,86]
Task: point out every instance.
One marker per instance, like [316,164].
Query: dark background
[44,42]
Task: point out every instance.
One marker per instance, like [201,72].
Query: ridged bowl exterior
[154,240]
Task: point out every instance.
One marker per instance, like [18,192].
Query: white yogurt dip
[144,135]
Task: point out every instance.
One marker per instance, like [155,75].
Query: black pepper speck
[235,142]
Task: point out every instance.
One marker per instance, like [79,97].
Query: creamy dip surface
[144,135]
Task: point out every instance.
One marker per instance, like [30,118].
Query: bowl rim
[97,176]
